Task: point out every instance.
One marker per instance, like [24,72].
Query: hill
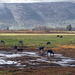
[29,15]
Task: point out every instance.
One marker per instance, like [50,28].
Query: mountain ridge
[30,15]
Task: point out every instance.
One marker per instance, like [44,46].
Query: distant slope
[6,18]
[21,16]
[25,15]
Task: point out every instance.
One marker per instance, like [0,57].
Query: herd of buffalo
[41,49]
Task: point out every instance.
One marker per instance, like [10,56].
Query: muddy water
[57,59]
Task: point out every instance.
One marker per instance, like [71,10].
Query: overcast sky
[32,1]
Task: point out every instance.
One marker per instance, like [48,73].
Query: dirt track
[15,34]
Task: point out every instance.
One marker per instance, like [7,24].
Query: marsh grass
[68,73]
[5,73]
[38,40]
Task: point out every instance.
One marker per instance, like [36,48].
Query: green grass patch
[5,73]
[68,73]
[38,40]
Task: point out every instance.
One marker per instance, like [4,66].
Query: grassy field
[36,40]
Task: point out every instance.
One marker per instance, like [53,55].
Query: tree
[69,28]
[42,28]
[7,28]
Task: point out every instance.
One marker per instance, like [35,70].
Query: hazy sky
[31,1]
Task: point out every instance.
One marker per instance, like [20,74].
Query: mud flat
[33,59]
[30,62]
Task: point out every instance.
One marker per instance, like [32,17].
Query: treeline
[47,29]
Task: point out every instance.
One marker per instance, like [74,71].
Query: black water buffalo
[61,36]
[50,51]
[2,41]
[41,49]
[20,42]
[16,48]
[48,43]
[57,35]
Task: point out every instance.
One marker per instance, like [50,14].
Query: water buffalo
[50,52]
[2,41]
[57,35]
[48,43]
[41,49]
[20,42]
[61,36]
[16,48]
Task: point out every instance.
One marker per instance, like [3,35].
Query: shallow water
[57,59]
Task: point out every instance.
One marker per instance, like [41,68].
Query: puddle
[57,59]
